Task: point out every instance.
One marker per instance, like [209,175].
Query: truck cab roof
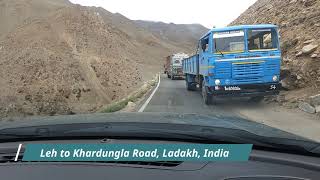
[231,28]
[180,55]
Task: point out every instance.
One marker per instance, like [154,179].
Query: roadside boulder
[306,107]
[315,100]
[288,84]
[308,41]
[299,77]
[293,1]
[287,60]
[131,104]
[314,56]
[309,48]
[299,54]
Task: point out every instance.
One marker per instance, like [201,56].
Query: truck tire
[172,77]
[190,86]
[168,75]
[206,96]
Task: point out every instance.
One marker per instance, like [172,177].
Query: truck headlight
[275,78]
[217,82]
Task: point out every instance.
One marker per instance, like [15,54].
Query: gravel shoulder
[290,120]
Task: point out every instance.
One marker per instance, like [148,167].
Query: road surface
[172,96]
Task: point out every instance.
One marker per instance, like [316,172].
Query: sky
[209,13]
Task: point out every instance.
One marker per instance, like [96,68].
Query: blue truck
[236,61]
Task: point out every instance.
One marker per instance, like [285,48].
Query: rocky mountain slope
[182,35]
[61,58]
[299,22]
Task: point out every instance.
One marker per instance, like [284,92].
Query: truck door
[203,56]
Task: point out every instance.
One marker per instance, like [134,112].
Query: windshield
[229,41]
[177,61]
[262,39]
[69,62]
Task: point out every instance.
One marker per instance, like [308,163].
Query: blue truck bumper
[247,90]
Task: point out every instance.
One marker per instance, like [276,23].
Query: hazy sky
[206,12]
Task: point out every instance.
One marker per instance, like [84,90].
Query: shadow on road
[236,101]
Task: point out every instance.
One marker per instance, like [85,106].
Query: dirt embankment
[299,22]
[66,63]
[61,58]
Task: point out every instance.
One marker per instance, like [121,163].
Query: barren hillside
[182,35]
[14,13]
[61,58]
[299,22]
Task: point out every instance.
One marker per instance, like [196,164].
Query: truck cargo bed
[191,65]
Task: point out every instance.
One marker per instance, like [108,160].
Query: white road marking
[150,97]
[18,152]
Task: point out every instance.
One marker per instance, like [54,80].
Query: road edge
[142,108]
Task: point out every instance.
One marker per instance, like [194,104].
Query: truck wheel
[207,97]
[168,76]
[190,86]
[172,77]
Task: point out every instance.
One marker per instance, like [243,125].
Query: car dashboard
[262,165]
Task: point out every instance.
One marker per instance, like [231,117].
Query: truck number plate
[273,87]
[232,88]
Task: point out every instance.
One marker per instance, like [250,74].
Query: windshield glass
[262,39]
[229,41]
[177,61]
[70,58]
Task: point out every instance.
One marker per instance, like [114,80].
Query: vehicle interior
[161,89]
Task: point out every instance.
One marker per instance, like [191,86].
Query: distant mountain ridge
[184,35]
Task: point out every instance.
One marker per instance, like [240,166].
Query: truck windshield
[177,61]
[229,41]
[262,39]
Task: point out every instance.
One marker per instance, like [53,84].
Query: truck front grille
[248,72]
[250,80]
[241,70]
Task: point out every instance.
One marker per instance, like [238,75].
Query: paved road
[172,96]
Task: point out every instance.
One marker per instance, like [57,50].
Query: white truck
[175,65]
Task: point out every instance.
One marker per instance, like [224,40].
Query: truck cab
[175,66]
[236,61]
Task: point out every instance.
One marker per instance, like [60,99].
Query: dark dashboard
[262,165]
